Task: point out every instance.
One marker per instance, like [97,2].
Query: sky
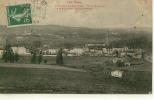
[111,14]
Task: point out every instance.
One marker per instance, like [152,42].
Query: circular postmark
[44,3]
[38,10]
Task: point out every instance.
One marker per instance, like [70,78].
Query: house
[50,52]
[115,60]
[125,60]
[130,52]
[95,46]
[127,64]
[117,73]
[137,56]
[53,51]
[77,51]
[105,51]
[20,50]
[1,53]
[71,55]
[99,53]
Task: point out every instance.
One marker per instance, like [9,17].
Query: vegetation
[9,56]
[40,57]
[134,40]
[96,79]
[59,37]
[59,59]
[33,58]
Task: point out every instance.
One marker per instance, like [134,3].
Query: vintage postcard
[76,46]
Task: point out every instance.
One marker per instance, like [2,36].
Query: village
[124,55]
[98,60]
[98,64]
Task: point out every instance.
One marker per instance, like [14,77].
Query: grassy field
[96,79]
[89,63]
[21,80]
[81,61]
[18,80]
[96,63]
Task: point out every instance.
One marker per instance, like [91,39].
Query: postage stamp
[19,14]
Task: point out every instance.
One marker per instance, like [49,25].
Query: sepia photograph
[76,47]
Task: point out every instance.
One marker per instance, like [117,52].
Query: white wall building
[50,52]
[1,53]
[77,51]
[20,50]
[117,73]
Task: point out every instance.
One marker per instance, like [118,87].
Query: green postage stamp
[19,14]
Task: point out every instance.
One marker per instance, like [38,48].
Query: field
[71,37]
[96,79]
[89,63]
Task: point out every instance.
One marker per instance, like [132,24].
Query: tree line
[9,55]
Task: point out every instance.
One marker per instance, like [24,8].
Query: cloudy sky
[112,13]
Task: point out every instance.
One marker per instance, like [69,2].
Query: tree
[8,54]
[40,57]
[59,59]
[11,54]
[4,56]
[16,57]
[33,59]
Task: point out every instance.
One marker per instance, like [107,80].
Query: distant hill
[63,36]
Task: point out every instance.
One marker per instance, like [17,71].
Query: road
[41,66]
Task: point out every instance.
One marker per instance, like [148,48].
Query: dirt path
[55,67]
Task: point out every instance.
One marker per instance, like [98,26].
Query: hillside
[62,36]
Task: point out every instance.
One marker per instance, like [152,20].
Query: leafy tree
[16,57]
[59,59]
[40,57]
[8,54]
[33,59]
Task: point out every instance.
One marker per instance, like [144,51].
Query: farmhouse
[1,53]
[115,60]
[117,73]
[20,50]
[77,51]
[95,46]
[51,52]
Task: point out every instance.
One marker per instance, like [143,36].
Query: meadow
[96,79]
